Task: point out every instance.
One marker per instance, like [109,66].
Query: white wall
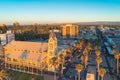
[10,36]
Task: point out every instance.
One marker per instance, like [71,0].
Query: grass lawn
[15,75]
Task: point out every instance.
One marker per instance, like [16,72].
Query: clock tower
[52,46]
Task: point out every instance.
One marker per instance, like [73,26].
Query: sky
[58,11]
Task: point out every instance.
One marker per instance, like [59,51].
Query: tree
[89,48]
[15,27]
[97,52]
[89,44]
[3,28]
[102,72]
[90,40]
[85,52]
[79,41]
[46,29]
[84,59]
[83,39]
[98,60]
[79,68]
[96,47]
[117,57]
[3,74]
[61,62]
[96,43]
[54,64]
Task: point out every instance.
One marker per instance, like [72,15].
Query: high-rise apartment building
[69,30]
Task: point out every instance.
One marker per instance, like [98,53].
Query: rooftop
[28,45]
[28,56]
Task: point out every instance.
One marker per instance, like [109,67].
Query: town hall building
[30,57]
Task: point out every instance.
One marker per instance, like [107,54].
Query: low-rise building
[7,37]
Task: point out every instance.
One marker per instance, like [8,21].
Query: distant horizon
[30,23]
[66,22]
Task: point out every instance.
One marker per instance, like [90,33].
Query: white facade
[3,39]
[7,37]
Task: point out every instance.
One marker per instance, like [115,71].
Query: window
[5,49]
[67,30]
[8,59]
[34,64]
[50,53]
[15,60]
[51,40]
[33,51]
[51,46]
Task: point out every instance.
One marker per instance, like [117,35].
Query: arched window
[32,51]
[5,49]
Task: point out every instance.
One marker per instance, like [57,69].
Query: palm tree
[96,47]
[89,44]
[97,52]
[102,72]
[61,62]
[79,41]
[84,59]
[117,57]
[85,52]
[54,64]
[79,68]
[89,48]
[64,53]
[98,60]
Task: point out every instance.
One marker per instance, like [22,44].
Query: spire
[52,34]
